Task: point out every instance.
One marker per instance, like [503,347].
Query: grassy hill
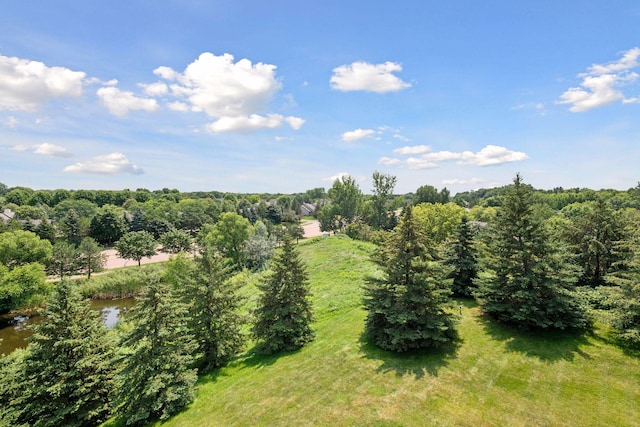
[494,376]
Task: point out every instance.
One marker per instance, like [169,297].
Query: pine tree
[406,306]
[213,301]
[529,281]
[155,379]
[284,312]
[626,301]
[68,380]
[462,260]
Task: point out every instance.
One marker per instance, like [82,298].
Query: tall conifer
[529,280]
[406,306]
[68,380]
[284,313]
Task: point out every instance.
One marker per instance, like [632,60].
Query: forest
[241,283]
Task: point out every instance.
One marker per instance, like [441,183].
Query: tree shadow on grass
[415,362]
[548,346]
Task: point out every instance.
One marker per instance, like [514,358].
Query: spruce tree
[626,299]
[156,378]
[529,280]
[462,260]
[406,306]
[213,303]
[284,313]
[67,377]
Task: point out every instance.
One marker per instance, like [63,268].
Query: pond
[14,330]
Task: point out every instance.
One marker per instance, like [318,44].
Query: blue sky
[285,96]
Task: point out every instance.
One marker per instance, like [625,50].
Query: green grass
[494,375]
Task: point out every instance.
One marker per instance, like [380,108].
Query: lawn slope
[494,376]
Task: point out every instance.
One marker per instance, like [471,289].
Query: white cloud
[20,147]
[154,89]
[356,135]
[457,181]
[120,102]
[420,163]
[601,84]
[178,106]
[336,177]
[389,161]
[252,123]
[222,88]
[368,77]
[25,84]
[415,149]
[490,155]
[110,164]
[47,149]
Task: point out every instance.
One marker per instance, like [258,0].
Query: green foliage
[67,377]
[65,259]
[175,241]
[123,283]
[596,232]
[228,236]
[23,247]
[359,230]
[259,248]
[155,379]
[12,374]
[108,225]
[528,280]
[91,258]
[346,200]
[626,298]
[72,227]
[436,220]
[382,217]
[212,299]
[284,313]
[136,245]
[23,286]
[462,260]
[406,306]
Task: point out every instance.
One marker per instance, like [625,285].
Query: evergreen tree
[155,379]
[67,379]
[259,248]
[71,227]
[284,314]
[529,280]
[213,303]
[462,260]
[406,306]
[626,301]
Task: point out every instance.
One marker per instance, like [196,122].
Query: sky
[278,96]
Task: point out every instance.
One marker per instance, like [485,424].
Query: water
[14,329]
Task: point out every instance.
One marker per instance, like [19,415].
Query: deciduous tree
[136,245]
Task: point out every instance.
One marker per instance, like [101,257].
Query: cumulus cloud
[336,177]
[120,102]
[45,149]
[110,164]
[155,89]
[377,78]
[491,155]
[602,83]
[253,122]
[25,84]
[235,93]
[415,149]
[389,161]
[356,135]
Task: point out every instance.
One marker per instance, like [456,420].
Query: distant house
[308,209]
[7,215]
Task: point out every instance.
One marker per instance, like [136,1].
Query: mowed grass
[494,376]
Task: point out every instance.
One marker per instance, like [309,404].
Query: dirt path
[311,229]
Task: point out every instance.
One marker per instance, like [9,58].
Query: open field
[494,376]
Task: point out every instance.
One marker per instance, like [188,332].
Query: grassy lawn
[494,376]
